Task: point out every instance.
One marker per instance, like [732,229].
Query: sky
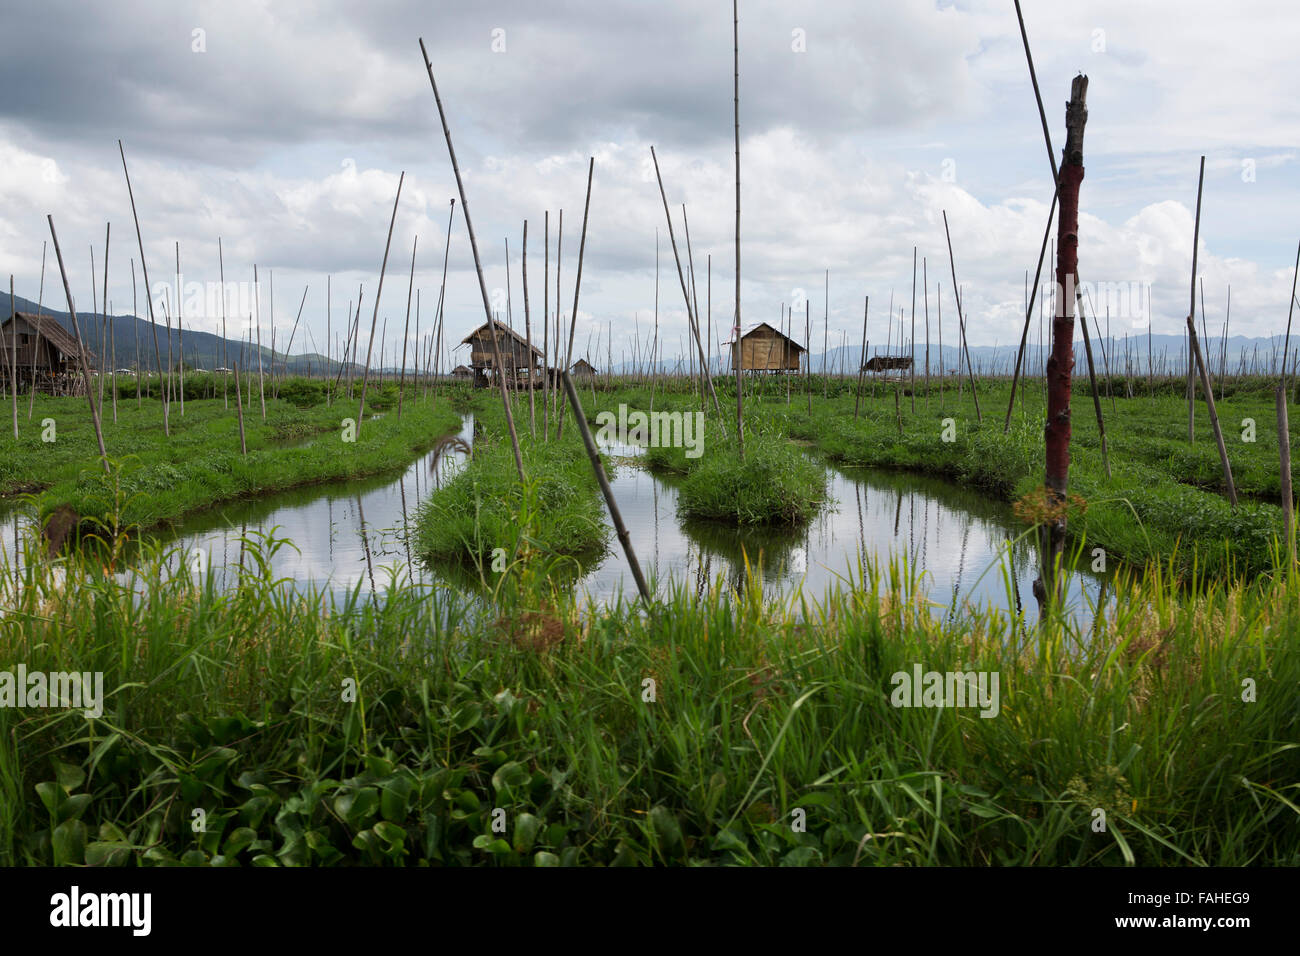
[282,130]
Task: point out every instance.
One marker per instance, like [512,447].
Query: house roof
[582,364]
[504,330]
[55,333]
[763,326]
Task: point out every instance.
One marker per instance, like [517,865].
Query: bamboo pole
[912,341]
[681,276]
[528,336]
[442,294]
[1286,343]
[180,331]
[1092,375]
[13,349]
[383,266]
[257,302]
[478,266]
[737,360]
[40,312]
[112,329]
[862,364]
[1284,454]
[81,347]
[577,287]
[284,366]
[1196,353]
[807,337]
[144,268]
[239,408]
[406,332]
[546,325]
[925,294]
[580,419]
[225,353]
[961,321]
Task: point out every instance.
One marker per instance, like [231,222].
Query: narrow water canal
[962,547]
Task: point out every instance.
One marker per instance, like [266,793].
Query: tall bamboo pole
[40,312]
[577,287]
[862,363]
[180,330]
[148,293]
[478,266]
[681,276]
[225,353]
[925,293]
[961,321]
[112,331]
[738,359]
[257,302]
[81,347]
[1200,361]
[1286,343]
[1284,454]
[528,336]
[383,266]
[442,294]
[406,331]
[912,340]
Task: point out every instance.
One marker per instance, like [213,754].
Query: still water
[964,548]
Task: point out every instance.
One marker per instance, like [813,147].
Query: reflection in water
[959,546]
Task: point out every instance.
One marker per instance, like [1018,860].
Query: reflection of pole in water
[406,528]
[1015,581]
[329,502]
[365,546]
[961,560]
[1098,614]
[898,510]
[862,528]
[654,487]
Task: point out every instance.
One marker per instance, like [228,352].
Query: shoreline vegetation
[310,728]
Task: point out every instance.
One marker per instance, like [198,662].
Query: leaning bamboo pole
[681,275]
[81,347]
[257,302]
[925,295]
[225,355]
[478,266]
[442,294]
[961,321]
[40,312]
[1200,361]
[577,287]
[148,295]
[1286,343]
[180,331]
[374,320]
[112,330]
[13,350]
[1284,454]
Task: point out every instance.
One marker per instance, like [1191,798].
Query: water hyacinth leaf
[508,777]
[70,776]
[51,795]
[73,807]
[108,854]
[239,839]
[356,806]
[68,841]
[194,858]
[526,827]
[668,831]
[394,798]
[545,858]
[494,845]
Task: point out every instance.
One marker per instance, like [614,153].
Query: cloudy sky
[282,129]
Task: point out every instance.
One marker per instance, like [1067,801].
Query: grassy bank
[157,479]
[484,509]
[701,732]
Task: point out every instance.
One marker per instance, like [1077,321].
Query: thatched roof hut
[582,367]
[461,371]
[52,351]
[888,363]
[765,349]
[515,355]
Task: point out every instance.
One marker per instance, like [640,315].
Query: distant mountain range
[1167,352]
[203,350]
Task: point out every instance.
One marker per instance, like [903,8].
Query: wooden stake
[406,331]
[961,321]
[383,266]
[1061,363]
[528,336]
[1284,453]
[1196,353]
[144,268]
[862,364]
[738,359]
[478,266]
[577,286]
[81,346]
[239,408]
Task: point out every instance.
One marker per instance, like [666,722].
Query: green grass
[156,479]
[484,508]
[391,732]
